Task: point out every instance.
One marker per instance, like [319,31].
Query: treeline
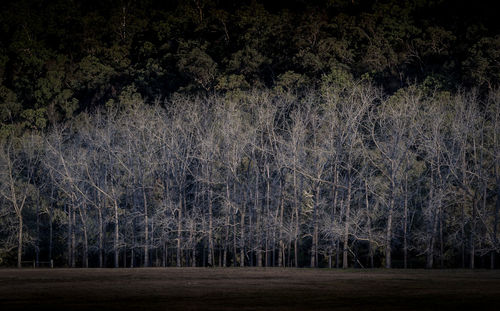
[59,58]
[339,177]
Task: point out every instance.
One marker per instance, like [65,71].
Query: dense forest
[324,133]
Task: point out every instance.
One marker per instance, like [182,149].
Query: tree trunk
[333,214]
[345,263]
[369,225]
[337,253]
[258,225]
[441,241]
[101,238]
[165,254]
[68,209]
[234,236]
[210,229]
[146,229]
[405,222]
[242,237]
[193,244]
[226,225]
[50,235]
[388,241]
[132,257]
[85,248]
[432,222]
[472,233]
[73,240]
[463,205]
[281,259]
[85,257]
[495,223]
[179,234]
[226,241]
[296,211]
[19,239]
[116,235]
[50,223]
[314,248]
[37,239]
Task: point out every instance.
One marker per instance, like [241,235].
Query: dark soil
[248,289]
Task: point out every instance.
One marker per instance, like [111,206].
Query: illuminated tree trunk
[116,235]
[179,234]
[146,229]
[345,262]
[19,239]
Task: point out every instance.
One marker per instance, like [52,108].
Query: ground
[248,289]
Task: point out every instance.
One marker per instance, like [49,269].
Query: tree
[390,126]
[18,159]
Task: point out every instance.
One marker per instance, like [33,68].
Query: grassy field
[248,289]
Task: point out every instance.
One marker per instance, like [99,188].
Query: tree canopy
[59,58]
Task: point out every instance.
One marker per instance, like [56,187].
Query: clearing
[248,289]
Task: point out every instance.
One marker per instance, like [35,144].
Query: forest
[333,133]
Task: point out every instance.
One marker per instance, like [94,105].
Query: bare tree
[391,132]
[17,161]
